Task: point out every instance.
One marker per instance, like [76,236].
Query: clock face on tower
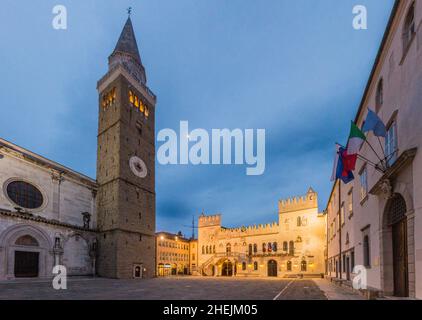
[138,167]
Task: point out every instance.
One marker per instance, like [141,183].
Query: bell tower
[126,165]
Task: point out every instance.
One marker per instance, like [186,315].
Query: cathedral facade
[52,215]
[293,246]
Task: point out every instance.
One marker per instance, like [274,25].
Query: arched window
[303,266]
[213,249]
[250,249]
[270,248]
[299,221]
[275,246]
[289,266]
[228,248]
[27,241]
[255,265]
[255,248]
[379,98]
[366,251]
[264,247]
[409,28]
[207,249]
[291,248]
[285,246]
[243,266]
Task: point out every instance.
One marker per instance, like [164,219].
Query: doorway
[227,269]
[26,264]
[272,268]
[400,259]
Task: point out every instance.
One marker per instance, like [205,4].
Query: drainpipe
[339,230]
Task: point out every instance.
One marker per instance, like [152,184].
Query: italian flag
[356,139]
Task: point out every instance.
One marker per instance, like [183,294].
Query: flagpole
[373,150]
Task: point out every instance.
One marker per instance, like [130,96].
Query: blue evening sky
[295,68]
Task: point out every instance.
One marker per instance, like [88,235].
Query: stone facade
[104,226]
[60,234]
[126,133]
[365,216]
[293,246]
[174,254]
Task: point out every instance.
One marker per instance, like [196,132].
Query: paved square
[180,288]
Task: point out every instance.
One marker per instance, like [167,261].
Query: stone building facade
[175,254]
[376,221]
[292,246]
[55,226]
[51,215]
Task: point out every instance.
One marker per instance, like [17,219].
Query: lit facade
[174,254]
[293,246]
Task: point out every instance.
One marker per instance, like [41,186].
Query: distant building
[376,221]
[293,246]
[176,255]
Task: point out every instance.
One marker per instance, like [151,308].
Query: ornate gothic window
[24,195]
[291,248]
[285,246]
[109,98]
[255,248]
[264,247]
[275,246]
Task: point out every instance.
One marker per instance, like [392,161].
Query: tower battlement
[308,201]
[209,220]
[251,230]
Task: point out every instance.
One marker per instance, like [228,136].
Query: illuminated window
[109,98]
[131,98]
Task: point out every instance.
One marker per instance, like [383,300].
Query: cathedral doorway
[26,264]
[27,252]
[272,268]
[227,269]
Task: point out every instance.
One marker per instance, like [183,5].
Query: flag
[349,161]
[356,139]
[342,164]
[374,123]
[335,165]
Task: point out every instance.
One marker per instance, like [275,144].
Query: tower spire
[126,52]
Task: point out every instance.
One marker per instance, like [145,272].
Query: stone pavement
[176,288]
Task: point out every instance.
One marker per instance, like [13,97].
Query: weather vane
[129,11]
